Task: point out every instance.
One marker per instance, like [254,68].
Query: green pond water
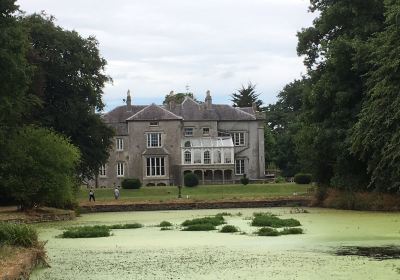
[149,253]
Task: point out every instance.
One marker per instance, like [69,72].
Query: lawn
[199,193]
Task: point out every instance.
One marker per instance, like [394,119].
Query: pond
[149,253]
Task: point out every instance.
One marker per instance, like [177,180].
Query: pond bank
[42,214]
[192,205]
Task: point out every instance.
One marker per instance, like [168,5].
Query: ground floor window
[239,166]
[120,169]
[155,166]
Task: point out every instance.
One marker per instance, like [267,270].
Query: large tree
[69,80]
[376,136]
[335,50]
[246,96]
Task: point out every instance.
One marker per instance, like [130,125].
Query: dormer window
[188,131]
[154,123]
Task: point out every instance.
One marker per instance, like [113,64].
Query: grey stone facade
[159,144]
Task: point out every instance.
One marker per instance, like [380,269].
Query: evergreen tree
[246,96]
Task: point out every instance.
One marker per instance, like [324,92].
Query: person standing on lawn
[91,195]
[116,193]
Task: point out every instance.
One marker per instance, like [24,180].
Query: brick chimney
[171,101]
[208,100]
[128,101]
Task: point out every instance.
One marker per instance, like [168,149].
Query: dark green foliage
[266,231]
[270,220]
[69,79]
[246,96]
[223,214]
[132,183]
[214,220]
[86,232]
[42,170]
[190,180]
[302,178]
[166,228]
[287,231]
[228,229]
[244,180]
[199,227]
[178,98]
[125,226]
[18,235]
[165,224]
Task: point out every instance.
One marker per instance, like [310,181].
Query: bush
[280,179]
[270,220]
[190,180]
[165,224]
[131,183]
[199,227]
[302,178]
[286,231]
[244,180]
[215,220]
[228,228]
[18,235]
[125,226]
[166,228]
[86,232]
[266,231]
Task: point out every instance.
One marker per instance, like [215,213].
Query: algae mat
[148,253]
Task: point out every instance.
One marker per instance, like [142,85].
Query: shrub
[86,232]
[286,231]
[131,183]
[165,224]
[215,220]
[270,220]
[18,235]
[228,228]
[279,179]
[244,180]
[190,180]
[266,231]
[302,178]
[125,226]
[199,227]
[166,228]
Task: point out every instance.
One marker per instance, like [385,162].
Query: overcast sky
[155,46]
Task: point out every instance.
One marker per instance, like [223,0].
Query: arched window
[188,157]
[187,144]
[207,159]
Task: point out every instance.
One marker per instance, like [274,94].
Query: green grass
[18,235]
[199,193]
[228,229]
[125,226]
[270,220]
[86,232]
[199,227]
[214,220]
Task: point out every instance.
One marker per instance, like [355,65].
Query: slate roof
[189,110]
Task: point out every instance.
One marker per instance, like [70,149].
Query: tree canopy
[246,96]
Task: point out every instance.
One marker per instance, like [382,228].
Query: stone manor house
[160,143]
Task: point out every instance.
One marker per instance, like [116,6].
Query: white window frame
[207,133]
[154,140]
[239,138]
[187,160]
[120,144]
[154,123]
[239,163]
[155,166]
[186,131]
[207,160]
[120,169]
[103,170]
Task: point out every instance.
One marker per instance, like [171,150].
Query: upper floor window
[188,131]
[153,140]
[239,166]
[120,144]
[217,157]
[238,139]
[154,123]
[120,169]
[102,170]
[206,131]
[155,166]
[188,157]
[207,159]
[187,144]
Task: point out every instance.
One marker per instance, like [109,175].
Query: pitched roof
[153,112]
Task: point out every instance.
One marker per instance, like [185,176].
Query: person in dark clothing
[91,195]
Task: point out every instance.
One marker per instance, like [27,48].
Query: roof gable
[153,112]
